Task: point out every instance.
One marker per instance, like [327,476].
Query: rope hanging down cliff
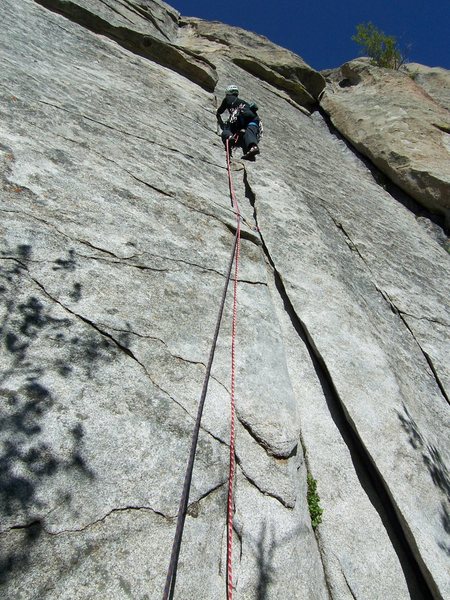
[230,504]
[169,588]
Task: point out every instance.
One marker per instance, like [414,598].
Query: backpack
[254,107]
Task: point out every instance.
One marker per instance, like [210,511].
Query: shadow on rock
[430,454]
[40,457]
[264,549]
[436,466]
[28,462]
[445,518]
[66,264]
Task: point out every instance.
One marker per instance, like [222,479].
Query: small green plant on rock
[413,75]
[381,48]
[315,511]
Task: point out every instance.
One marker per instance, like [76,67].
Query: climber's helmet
[232,90]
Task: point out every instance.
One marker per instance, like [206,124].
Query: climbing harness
[169,588]
[232,142]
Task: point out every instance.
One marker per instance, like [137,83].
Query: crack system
[192,511]
[93,523]
[427,358]
[177,357]
[349,587]
[120,346]
[124,132]
[401,314]
[351,437]
[124,260]
[261,490]
[129,134]
[419,584]
[266,445]
[383,179]
[144,11]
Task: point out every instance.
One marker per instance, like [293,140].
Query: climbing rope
[232,469]
[169,588]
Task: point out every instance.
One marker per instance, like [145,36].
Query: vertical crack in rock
[350,243]
[348,585]
[116,11]
[425,354]
[392,305]
[146,13]
[416,574]
[432,367]
[427,357]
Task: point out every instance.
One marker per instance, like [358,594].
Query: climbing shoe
[251,153]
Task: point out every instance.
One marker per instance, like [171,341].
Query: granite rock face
[257,55]
[390,118]
[434,80]
[116,231]
[146,28]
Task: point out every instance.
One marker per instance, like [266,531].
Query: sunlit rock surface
[116,235]
[392,120]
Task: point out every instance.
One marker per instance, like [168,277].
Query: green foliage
[381,48]
[315,511]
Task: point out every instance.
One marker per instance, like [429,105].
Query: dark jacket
[241,115]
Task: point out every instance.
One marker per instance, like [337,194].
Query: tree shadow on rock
[28,463]
[430,454]
[436,466]
[445,519]
[264,548]
[37,469]
[66,264]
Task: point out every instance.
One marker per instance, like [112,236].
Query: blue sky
[320,31]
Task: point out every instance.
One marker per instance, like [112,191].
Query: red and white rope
[232,467]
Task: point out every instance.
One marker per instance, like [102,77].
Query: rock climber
[243,121]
